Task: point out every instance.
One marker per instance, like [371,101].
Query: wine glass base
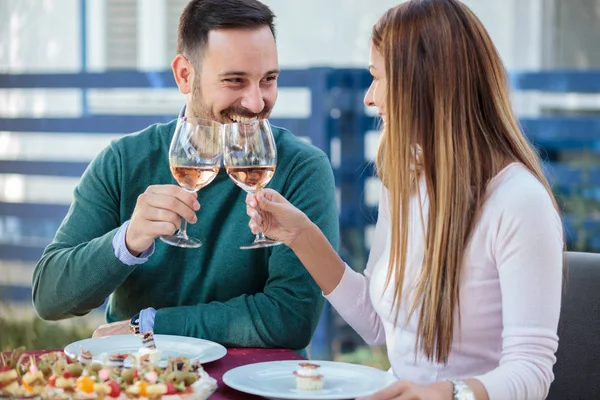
[181,241]
[261,244]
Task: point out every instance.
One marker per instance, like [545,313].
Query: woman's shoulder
[515,192]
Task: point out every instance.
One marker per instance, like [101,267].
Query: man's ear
[183,72]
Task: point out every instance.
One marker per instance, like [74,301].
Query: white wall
[336,32]
[326,32]
[39,35]
[43,35]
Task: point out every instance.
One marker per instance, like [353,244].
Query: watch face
[462,391]
[135,320]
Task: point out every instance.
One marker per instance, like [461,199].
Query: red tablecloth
[235,358]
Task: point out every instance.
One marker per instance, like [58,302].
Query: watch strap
[134,323]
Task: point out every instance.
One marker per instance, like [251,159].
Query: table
[235,357]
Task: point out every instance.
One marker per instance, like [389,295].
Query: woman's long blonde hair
[447,93]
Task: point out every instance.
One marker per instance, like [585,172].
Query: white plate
[200,350]
[275,380]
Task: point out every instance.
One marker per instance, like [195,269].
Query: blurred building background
[75,74]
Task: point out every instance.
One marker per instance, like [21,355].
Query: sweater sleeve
[286,313]
[351,297]
[529,258]
[79,269]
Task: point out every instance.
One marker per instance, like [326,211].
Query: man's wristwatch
[134,324]
[462,391]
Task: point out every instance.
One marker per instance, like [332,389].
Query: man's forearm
[258,320]
[72,280]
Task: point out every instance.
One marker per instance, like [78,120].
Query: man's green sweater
[262,298]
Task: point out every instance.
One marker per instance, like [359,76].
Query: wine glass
[195,160]
[250,158]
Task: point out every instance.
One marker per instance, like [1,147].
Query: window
[121,34]
[572,34]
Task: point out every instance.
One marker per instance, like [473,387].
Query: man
[227,69]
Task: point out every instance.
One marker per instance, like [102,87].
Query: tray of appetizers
[61,376]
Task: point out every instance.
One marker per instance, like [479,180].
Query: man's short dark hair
[202,16]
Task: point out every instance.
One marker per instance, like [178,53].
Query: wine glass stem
[260,237]
[183,228]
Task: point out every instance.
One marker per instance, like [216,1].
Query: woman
[463,282]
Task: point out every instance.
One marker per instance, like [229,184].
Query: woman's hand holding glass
[276,217]
[250,159]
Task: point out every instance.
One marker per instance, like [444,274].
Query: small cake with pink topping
[309,377]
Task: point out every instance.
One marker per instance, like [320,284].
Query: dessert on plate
[148,352]
[309,377]
[53,376]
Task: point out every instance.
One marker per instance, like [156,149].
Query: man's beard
[201,110]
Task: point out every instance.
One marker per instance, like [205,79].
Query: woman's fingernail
[196,206]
